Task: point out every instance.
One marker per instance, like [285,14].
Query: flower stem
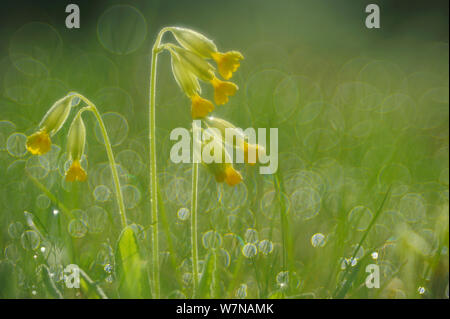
[153,177]
[194,224]
[112,163]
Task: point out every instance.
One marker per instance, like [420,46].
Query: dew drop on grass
[374,255]
[30,240]
[122,29]
[37,166]
[15,144]
[241,292]
[283,278]
[12,253]
[42,201]
[265,247]
[183,214]
[360,217]
[131,196]
[250,250]
[305,203]
[212,239]
[96,219]
[421,290]
[15,229]
[116,126]
[108,268]
[251,236]
[77,228]
[102,193]
[412,207]
[318,240]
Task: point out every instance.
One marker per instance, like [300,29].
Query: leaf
[131,270]
[204,287]
[49,283]
[89,288]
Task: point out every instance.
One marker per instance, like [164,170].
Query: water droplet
[318,240]
[251,236]
[283,279]
[183,214]
[241,292]
[250,250]
[102,193]
[77,228]
[96,219]
[421,290]
[374,255]
[265,247]
[212,239]
[108,268]
[360,217]
[15,144]
[30,240]
[15,229]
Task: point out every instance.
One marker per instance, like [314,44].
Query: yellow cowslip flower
[228,175]
[227,62]
[241,139]
[203,70]
[75,146]
[39,142]
[200,107]
[194,41]
[188,82]
[221,167]
[222,90]
[76,172]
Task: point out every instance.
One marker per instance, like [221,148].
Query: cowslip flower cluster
[40,143]
[190,64]
[222,168]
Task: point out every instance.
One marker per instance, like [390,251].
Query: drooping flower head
[189,63]
[227,62]
[216,158]
[75,146]
[39,142]
[251,150]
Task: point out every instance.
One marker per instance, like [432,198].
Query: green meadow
[363,154]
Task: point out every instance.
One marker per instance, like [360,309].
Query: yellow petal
[222,90]
[76,172]
[232,177]
[227,63]
[39,143]
[200,107]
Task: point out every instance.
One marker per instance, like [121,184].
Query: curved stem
[153,177]
[112,163]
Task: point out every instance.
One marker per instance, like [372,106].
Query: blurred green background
[363,132]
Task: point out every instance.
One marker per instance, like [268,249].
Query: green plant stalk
[112,163]
[153,177]
[194,243]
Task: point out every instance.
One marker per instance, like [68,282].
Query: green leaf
[89,288]
[204,287]
[131,270]
[49,283]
